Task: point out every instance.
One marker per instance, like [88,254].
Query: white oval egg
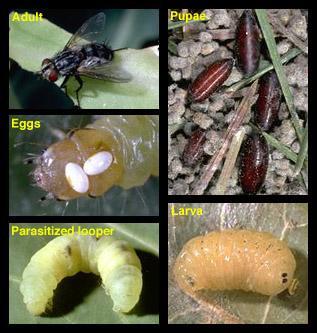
[98,163]
[76,177]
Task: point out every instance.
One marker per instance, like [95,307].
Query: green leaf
[31,42]
[81,299]
[287,221]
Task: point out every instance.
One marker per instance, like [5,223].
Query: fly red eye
[53,76]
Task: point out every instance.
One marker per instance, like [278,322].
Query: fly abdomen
[98,51]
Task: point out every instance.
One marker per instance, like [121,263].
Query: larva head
[120,271]
[276,272]
[86,163]
[124,286]
[188,266]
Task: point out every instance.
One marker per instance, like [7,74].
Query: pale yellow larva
[114,260]
[235,259]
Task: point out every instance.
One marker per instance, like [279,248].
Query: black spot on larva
[244,241]
[69,250]
[284,274]
[284,280]
[190,280]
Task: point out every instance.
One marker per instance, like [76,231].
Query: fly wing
[91,31]
[107,71]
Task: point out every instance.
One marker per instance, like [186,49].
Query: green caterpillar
[114,260]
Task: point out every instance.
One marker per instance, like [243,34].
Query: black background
[164,199]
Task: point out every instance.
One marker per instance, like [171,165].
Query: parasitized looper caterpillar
[114,260]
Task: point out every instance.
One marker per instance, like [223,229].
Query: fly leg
[80,81]
[63,85]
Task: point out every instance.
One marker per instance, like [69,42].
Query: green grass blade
[172,47]
[302,152]
[179,24]
[280,147]
[265,67]
[270,42]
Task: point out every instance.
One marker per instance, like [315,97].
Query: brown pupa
[209,80]
[248,43]
[194,148]
[235,259]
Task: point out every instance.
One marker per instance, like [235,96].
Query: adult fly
[85,55]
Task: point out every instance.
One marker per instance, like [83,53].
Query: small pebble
[298,26]
[202,120]
[209,48]
[286,132]
[283,46]
[176,75]
[182,49]
[205,37]
[177,62]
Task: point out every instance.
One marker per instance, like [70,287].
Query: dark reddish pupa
[248,43]
[254,163]
[209,80]
[194,148]
[268,103]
